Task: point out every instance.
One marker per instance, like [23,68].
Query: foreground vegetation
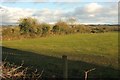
[84,51]
[10,71]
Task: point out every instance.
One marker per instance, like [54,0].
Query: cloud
[97,13]
[11,15]
[93,7]
[47,15]
[88,13]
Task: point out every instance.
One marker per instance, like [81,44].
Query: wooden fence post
[65,67]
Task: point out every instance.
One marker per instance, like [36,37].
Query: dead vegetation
[10,71]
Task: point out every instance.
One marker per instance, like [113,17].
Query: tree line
[30,27]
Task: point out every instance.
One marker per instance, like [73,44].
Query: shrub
[45,29]
[28,25]
[82,29]
[10,33]
[61,27]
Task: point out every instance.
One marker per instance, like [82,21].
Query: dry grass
[10,71]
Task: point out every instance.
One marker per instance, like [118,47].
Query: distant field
[99,48]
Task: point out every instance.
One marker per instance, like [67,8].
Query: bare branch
[86,73]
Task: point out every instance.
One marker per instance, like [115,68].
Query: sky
[59,0]
[85,12]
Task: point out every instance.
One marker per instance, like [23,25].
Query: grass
[74,45]
[97,49]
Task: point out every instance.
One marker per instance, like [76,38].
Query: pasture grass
[98,49]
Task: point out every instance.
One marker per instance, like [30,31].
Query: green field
[84,51]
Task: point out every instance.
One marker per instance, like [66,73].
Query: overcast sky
[51,12]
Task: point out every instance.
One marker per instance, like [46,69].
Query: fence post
[65,67]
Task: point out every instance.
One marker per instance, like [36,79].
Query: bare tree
[72,21]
